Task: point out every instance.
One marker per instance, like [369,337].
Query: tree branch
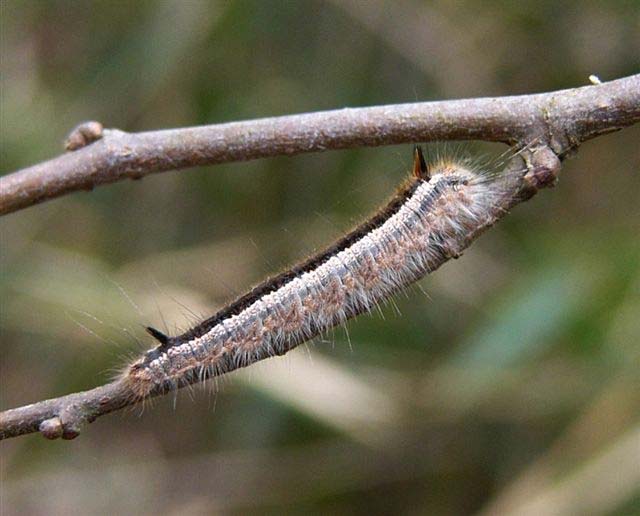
[563,118]
[554,122]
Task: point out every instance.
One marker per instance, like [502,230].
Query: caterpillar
[439,208]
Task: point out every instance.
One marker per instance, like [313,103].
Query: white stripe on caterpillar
[427,223]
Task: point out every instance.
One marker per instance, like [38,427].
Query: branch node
[51,428]
[73,418]
[83,134]
[543,168]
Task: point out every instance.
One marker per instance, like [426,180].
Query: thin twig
[563,118]
[556,122]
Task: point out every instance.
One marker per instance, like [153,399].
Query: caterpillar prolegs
[426,222]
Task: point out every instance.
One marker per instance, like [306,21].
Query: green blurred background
[512,387]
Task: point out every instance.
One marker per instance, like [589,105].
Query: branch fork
[546,127]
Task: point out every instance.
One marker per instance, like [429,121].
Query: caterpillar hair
[441,205]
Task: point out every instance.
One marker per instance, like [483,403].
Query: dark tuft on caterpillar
[158,335]
[420,168]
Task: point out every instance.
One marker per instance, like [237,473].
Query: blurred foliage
[512,387]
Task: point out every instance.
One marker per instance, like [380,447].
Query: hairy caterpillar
[425,223]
